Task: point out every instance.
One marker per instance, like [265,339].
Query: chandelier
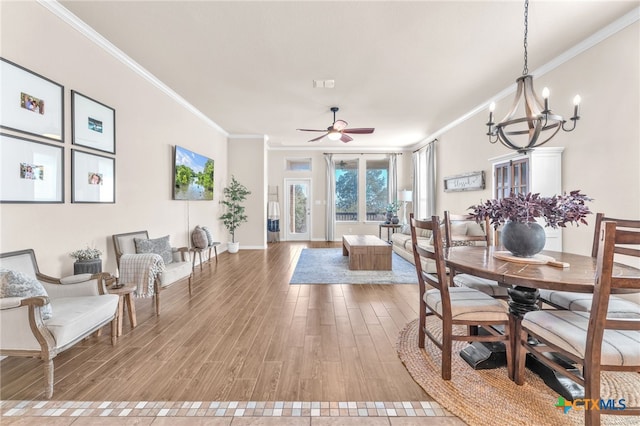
[539,124]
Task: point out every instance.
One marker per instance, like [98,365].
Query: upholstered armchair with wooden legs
[627,305]
[594,340]
[454,306]
[41,316]
[474,234]
[136,245]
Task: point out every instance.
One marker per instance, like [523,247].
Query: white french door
[297,214]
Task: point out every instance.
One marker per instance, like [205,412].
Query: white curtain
[424,181]
[393,177]
[330,184]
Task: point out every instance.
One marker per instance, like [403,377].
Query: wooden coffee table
[366,252]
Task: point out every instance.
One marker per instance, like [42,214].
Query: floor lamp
[406,196]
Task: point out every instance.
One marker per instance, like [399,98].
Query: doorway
[297,209]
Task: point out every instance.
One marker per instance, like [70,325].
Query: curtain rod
[425,145]
[361,153]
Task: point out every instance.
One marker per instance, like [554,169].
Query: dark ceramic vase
[523,239]
[91,266]
[395,220]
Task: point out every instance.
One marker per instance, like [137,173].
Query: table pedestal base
[489,355]
[485,355]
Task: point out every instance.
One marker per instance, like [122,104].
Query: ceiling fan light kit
[338,130]
[538,119]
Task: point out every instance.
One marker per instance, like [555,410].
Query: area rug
[489,397]
[329,266]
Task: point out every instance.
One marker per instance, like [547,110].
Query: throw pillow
[199,238]
[209,235]
[406,229]
[17,284]
[160,246]
[475,229]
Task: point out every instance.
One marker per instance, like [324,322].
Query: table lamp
[406,196]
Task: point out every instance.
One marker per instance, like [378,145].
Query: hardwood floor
[244,335]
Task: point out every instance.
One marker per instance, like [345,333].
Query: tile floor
[224,413]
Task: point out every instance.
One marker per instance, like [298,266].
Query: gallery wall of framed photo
[32,143]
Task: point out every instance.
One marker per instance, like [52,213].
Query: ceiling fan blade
[339,125]
[311,130]
[319,137]
[346,138]
[360,131]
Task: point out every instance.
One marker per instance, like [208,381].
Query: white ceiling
[405,68]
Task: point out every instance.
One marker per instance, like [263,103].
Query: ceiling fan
[338,130]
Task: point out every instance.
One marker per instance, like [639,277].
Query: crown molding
[76,23]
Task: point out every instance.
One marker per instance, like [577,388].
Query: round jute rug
[489,397]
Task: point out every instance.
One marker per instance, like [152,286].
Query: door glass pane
[347,190]
[299,204]
[377,189]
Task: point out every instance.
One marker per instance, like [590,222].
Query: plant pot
[233,247]
[523,239]
[91,266]
[389,216]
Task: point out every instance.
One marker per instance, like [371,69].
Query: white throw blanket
[141,270]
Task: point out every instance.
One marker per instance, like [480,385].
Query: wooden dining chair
[474,234]
[593,340]
[454,306]
[618,306]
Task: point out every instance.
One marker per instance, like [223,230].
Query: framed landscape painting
[31,171]
[30,103]
[92,178]
[93,124]
[192,175]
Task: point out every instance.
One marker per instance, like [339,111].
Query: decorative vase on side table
[91,266]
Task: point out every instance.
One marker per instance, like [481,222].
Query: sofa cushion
[475,229]
[199,238]
[209,236]
[174,272]
[160,246]
[17,284]
[75,316]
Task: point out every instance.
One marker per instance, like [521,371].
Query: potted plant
[234,215]
[87,261]
[521,235]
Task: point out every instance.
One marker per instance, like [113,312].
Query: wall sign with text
[473,181]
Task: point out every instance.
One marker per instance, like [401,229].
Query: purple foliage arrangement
[556,211]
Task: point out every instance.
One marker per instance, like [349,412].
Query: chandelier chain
[525,71]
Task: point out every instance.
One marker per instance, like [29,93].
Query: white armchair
[177,265]
[80,306]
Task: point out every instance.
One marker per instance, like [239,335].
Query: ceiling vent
[324,84]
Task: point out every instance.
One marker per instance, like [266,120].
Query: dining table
[524,279]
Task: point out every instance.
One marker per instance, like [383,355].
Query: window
[511,177]
[356,202]
[347,190]
[298,164]
[377,189]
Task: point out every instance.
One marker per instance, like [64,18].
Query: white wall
[148,124]
[248,163]
[601,156]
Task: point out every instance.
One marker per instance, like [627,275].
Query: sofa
[401,241]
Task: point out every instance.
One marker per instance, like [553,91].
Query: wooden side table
[126,298]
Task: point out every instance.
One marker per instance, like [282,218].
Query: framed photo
[92,178]
[31,171]
[473,181]
[93,124]
[30,103]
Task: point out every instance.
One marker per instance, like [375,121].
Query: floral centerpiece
[86,254]
[519,212]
